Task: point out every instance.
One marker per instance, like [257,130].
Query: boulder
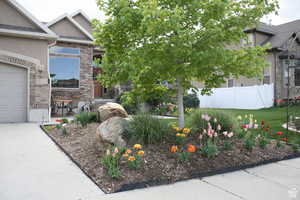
[111,131]
[109,110]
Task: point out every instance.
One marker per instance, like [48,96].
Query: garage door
[13,93]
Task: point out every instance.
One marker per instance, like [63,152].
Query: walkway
[277,181]
[33,168]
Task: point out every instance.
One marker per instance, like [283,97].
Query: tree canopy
[150,41]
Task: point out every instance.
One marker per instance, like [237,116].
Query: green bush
[227,120]
[191,101]
[144,128]
[128,102]
[85,118]
[65,121]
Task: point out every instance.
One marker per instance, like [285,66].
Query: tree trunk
[180,93]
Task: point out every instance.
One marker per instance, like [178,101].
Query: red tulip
[279,133]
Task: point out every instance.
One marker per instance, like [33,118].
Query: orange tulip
[174,149]
[191,148]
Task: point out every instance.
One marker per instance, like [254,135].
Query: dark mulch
[161,166]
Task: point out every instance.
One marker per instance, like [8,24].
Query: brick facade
[85,92]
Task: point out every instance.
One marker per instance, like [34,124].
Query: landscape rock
[111,131]
[110,110]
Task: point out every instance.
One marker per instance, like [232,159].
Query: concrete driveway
[33,168]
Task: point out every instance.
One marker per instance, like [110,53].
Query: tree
[150,41]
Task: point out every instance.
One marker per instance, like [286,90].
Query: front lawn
[275,116]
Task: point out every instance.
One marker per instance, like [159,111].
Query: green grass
[275,116]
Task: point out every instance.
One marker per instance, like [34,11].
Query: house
[283,40]
[43,60]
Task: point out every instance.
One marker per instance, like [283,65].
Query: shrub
[227,120]
[65,121]
[84,118]
[128,101]
[191,101]
[144,128]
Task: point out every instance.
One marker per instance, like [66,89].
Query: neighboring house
[279,38]
[40,60]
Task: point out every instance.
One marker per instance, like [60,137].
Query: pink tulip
[225,133]
[219,127]
[230,134]
[200,137]
[256,126]
[116,150]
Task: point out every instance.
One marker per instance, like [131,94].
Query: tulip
[230,134]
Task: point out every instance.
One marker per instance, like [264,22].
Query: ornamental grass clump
[145,129]
[85,118]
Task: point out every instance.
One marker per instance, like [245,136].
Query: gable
[11,18]
[80,19]
[64,28]
[261,38]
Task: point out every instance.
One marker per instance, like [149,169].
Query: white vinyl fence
[254,97]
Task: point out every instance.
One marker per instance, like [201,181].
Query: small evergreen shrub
[144,128]
[191,101]
[227,120]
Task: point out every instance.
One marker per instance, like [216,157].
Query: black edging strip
[71,158]
[200,175]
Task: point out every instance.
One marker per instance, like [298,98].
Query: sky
[47,10]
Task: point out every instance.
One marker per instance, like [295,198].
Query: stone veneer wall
[85,92]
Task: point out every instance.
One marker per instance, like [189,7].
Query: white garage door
[13,93]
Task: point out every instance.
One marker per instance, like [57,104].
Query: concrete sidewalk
[277,181]
[33,168]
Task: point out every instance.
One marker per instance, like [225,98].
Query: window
[64,71]
[64,65]
[230,82]
[266,79]
[297,77]
[63,50]
[285,72]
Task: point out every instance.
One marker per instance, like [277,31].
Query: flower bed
[182,154]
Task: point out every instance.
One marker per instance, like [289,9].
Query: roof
[279,34]
[78,12]
[77,25]
[42,31]
[263,28]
